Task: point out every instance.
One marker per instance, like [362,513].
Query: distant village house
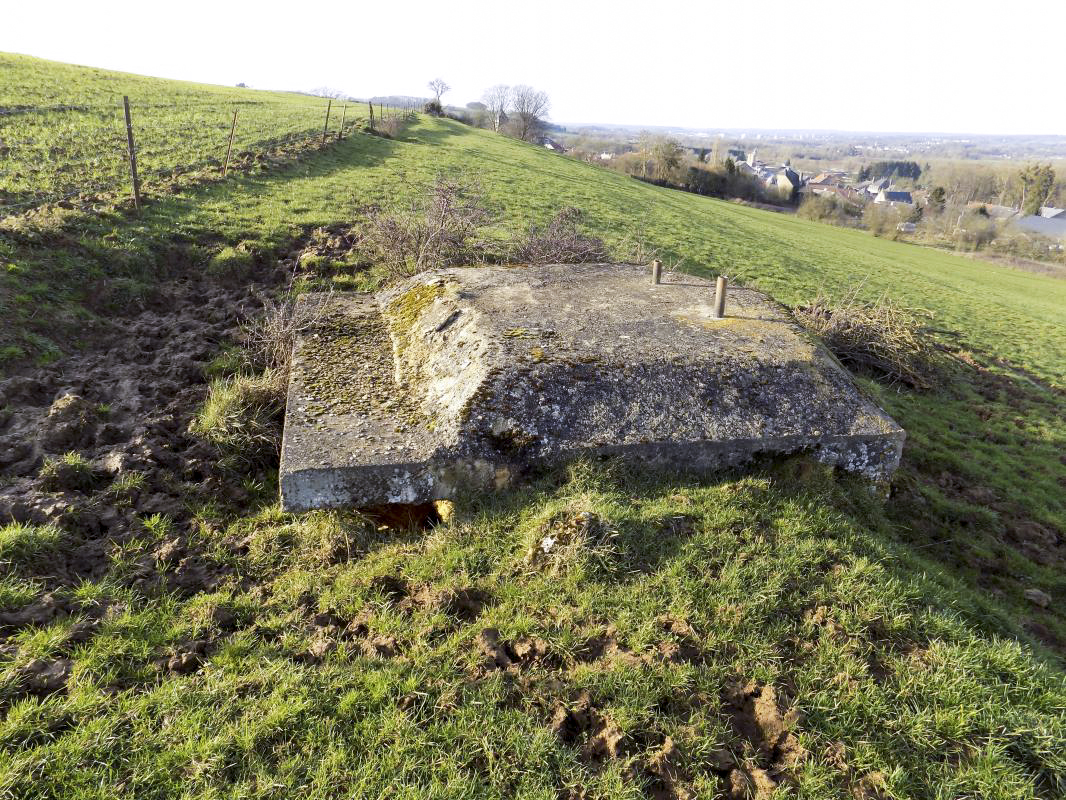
[894,198]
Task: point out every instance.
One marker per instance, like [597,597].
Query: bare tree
[439,87]
[645,143]
[530,108]
[667,153]
[497,99]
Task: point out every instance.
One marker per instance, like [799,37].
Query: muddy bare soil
[124,407]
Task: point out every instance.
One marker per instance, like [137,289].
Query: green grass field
[776,633]
[63,132]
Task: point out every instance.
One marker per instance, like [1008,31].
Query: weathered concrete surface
[464,378]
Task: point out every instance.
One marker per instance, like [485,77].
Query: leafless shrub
[269,338]
[558,242]
[439,229]
[392,126]
[636,248]
[880,337]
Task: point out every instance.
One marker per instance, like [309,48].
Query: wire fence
[95,155]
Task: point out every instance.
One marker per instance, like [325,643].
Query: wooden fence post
[371,114]
[719,297]
[133,154]
[344,113]
[326,126]
[229,147]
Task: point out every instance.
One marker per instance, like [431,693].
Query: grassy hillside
[63,130]
[773,631]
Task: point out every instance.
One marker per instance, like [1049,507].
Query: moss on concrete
[404,311]
[348,368]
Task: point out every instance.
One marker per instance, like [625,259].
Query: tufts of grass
[277,542]
[24,545]
[16,592]
[126,488]
[230,361]
[69,472]
[11,353]
[242,416]
[230,264]
[157,527]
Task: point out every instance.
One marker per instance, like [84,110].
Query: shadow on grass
[110,261]
[941,551]
[982,489]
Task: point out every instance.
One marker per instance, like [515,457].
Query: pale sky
[934,65]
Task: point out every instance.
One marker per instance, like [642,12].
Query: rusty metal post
[719,297]
[344,113]
[326,126]
[656,271]
[133,154]
[229,147]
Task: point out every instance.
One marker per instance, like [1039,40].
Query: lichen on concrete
[480,374]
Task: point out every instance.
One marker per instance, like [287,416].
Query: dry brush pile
[879,337]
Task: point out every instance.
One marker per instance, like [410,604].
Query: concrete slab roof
[463,379]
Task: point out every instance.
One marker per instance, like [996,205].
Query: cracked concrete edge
[874,457]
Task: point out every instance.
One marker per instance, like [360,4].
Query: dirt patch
[868,786]
[1044,634]
[606,647]
[519,654]
[327,244]
[581,724]
[467,604]
[391,588]
[1035,540]
[328,630]
[40,612]
[651,760]
[186,657]
[680,524]
[42,677]
[766,734]
[98,445]
[1038,542]
[823,617]
[667,778]
[681,644]
[461,606]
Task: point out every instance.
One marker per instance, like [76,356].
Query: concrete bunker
[464,379]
